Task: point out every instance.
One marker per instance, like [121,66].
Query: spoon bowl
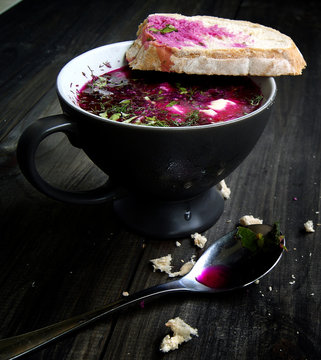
[227,265]
[224,266]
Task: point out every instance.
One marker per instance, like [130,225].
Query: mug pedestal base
[170,219]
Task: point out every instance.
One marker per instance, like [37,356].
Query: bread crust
[273,54]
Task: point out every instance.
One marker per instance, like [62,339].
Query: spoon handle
[16,346]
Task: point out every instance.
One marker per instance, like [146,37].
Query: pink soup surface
[168,100]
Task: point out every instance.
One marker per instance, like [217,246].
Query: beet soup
[171,100]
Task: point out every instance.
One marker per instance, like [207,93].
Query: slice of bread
[212,46]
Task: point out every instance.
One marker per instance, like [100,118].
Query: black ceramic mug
[161,179]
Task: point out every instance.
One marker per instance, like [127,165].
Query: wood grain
[59,260]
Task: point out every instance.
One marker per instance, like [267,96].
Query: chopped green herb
[172,103]
[103,115]
[153,121]
[260,240]
[153,29]
[100,82]
[277,237]
[121,107]
[248,238]
[256,100]
[256,241]
[115,116]
[127,121]
[167,29]
[192,118]
[182,90]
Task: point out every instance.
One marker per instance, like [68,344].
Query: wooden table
[59,260]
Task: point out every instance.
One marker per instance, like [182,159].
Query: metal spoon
[225,266]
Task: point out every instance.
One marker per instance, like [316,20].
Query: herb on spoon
[257,242]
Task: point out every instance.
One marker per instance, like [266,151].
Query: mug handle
[26,150]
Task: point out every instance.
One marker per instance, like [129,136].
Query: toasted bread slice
[212,46]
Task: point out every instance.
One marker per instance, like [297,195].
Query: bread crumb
[181,333]
[125,293]
[178,243]
[225,191]
[185,268]
[257,281]
[199,240]
[309,226]
[163,264]
[249,220]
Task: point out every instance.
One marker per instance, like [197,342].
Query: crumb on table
[181,333]
[199,240]
[249,220]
